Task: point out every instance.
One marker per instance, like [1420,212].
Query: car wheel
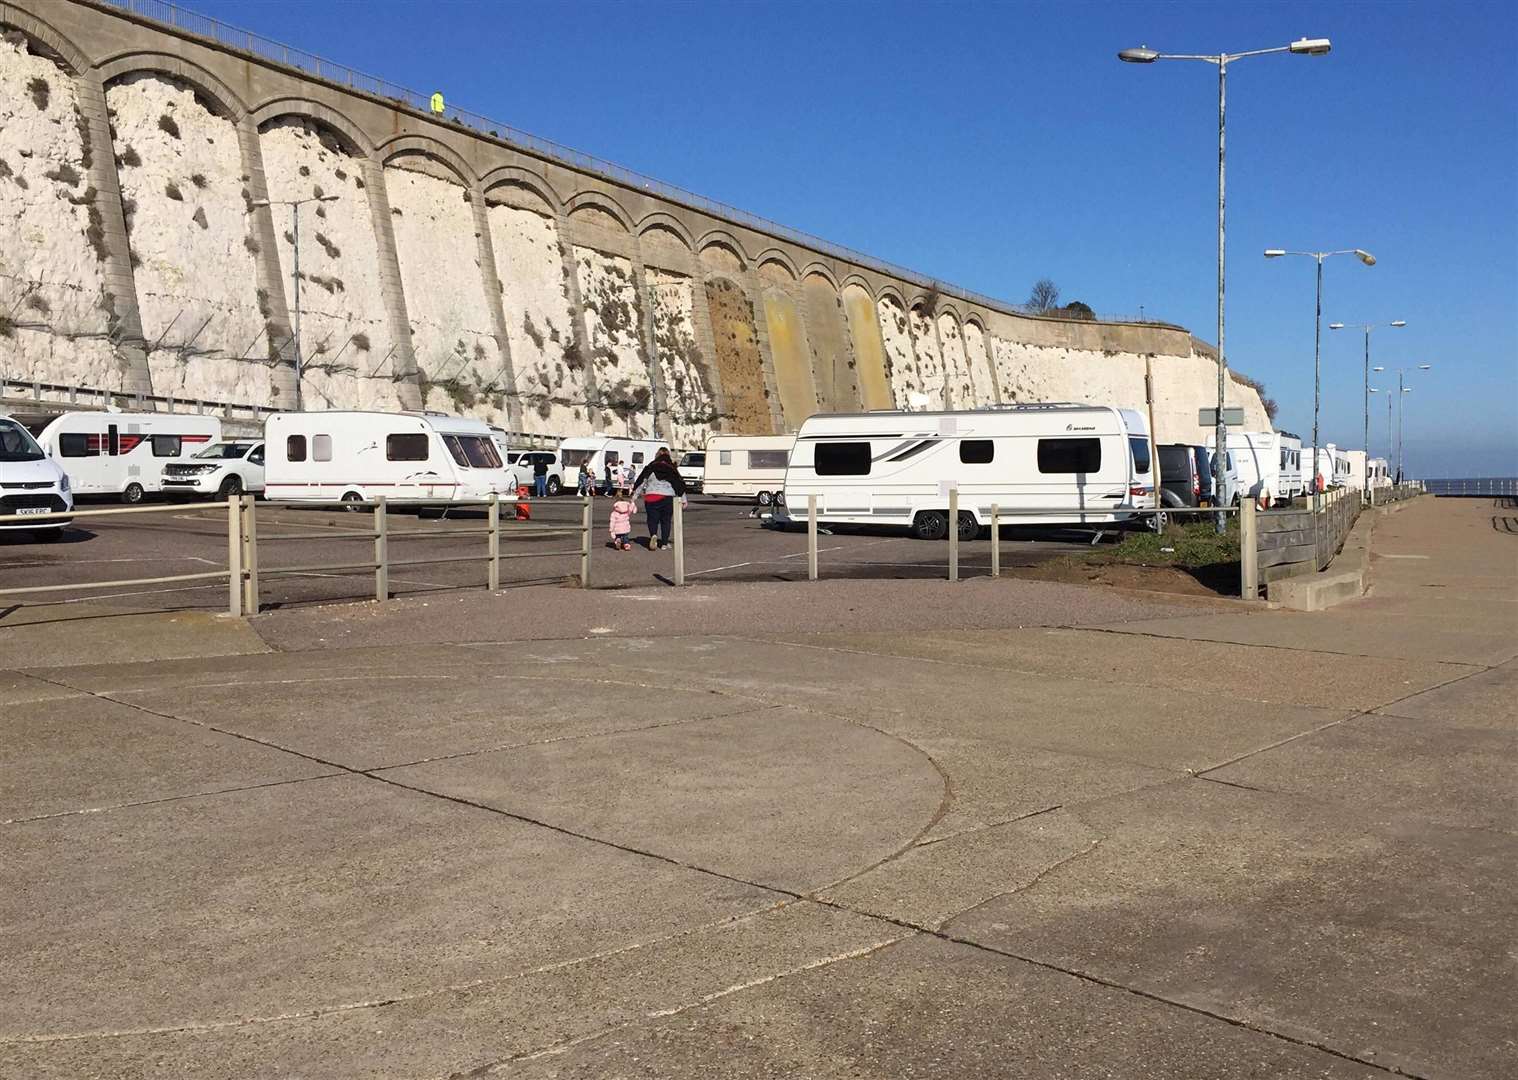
[779,498]
[1157,522]
[132,493]
[931,525]
[351,501]
[764,498]
[231,487]
[969,528]
[554,487]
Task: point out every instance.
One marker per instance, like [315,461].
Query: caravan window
[1069,455]
[166,445]
[472,451]
[976,451]
[321,448]
[407,447]
[1140,448]
[573,459]
[843,459]
[77,444]
[637,457]
[725,457]
[768,459]
[295,448]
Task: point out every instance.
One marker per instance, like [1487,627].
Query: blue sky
[993,144]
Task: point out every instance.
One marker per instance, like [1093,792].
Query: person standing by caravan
[540,476]
[587,481]
[660,484]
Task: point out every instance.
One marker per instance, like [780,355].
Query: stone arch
[892,292]
[722,240]
[427,147]
[225,100]
[660,222]
[859,303]
[974,319]
[47,40]
[356,142]
[596,200]
[773,256]
[513,176]
[819,270]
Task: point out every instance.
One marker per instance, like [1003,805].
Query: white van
[747,466]
[603,450]
[1267,464]
[1073,464]
[30,483]
[117,453]
[414,458]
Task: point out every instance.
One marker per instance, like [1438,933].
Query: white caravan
[1342,467]
[117,453]
[599,451]
[414,458]
[1268,465]
[30,483]
[1380,473]
[747,466]
[1324,473]
[1058,463]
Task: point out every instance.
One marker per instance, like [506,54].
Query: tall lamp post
[1402,388]
[1317,343]
[1146,55]
[1367,327]
[295,205]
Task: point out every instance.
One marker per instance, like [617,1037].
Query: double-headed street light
[1317,342]
[1367,327]
[295,205]
[1402,388]
[1145,55]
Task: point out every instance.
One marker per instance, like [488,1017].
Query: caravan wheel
[132,493]
[764,498]
[351,499]
[931,525]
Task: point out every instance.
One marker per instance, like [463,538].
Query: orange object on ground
[523,508]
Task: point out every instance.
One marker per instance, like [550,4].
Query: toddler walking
[621,521]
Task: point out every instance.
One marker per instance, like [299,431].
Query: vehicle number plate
[31,510]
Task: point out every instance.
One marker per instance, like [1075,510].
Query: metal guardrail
[245,572]
[1497,486]
[98,397]
[348,78]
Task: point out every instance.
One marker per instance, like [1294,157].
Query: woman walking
[659,485]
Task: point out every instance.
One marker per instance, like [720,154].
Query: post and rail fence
[246,573]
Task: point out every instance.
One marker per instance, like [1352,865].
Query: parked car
[1180,480]
[222,470]
[693,469]
[30,483]
[525,463]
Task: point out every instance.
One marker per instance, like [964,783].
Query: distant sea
[1479,485]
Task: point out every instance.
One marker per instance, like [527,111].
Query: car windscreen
[224,451]
[473,451]
[693,461]
[17,444]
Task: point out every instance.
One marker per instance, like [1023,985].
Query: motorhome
[118,453]
[747,466]
[603,451]
[1049,464]
[31,483]
[411,458]
[1267,464]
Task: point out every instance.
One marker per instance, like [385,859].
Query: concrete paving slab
[54,636]
[1199,666]
[1487,699]
[388,720]
[457,1030]
[84,754]
[1381,937]
[313,897]
[1461,776]
[776,796]
[17,689]
[933,882]
[925,1010]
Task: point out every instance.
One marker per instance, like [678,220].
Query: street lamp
[1145,55]
[1317,342]
[295,205]
[1368,327]
[1401,389]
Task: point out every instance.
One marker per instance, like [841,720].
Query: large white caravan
[31,483]
[600,451]
[117,453]
[1062,464]
[1268,464]
[747,466]
[1380,473]
[415,458]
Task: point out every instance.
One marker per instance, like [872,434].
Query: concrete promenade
[855,829]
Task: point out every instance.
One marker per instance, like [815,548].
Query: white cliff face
[53,313]
[688,399]
[345,330]
[978,359]
[612,328]
[451,325]
[960,389]
[550,375]
[197,278]
[901,368]
[930,366]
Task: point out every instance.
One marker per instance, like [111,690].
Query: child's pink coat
[621,517]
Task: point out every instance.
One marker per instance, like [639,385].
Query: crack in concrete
[168,799]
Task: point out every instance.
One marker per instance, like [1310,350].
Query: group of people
[658,485]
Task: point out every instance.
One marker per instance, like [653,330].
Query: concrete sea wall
[149,246]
